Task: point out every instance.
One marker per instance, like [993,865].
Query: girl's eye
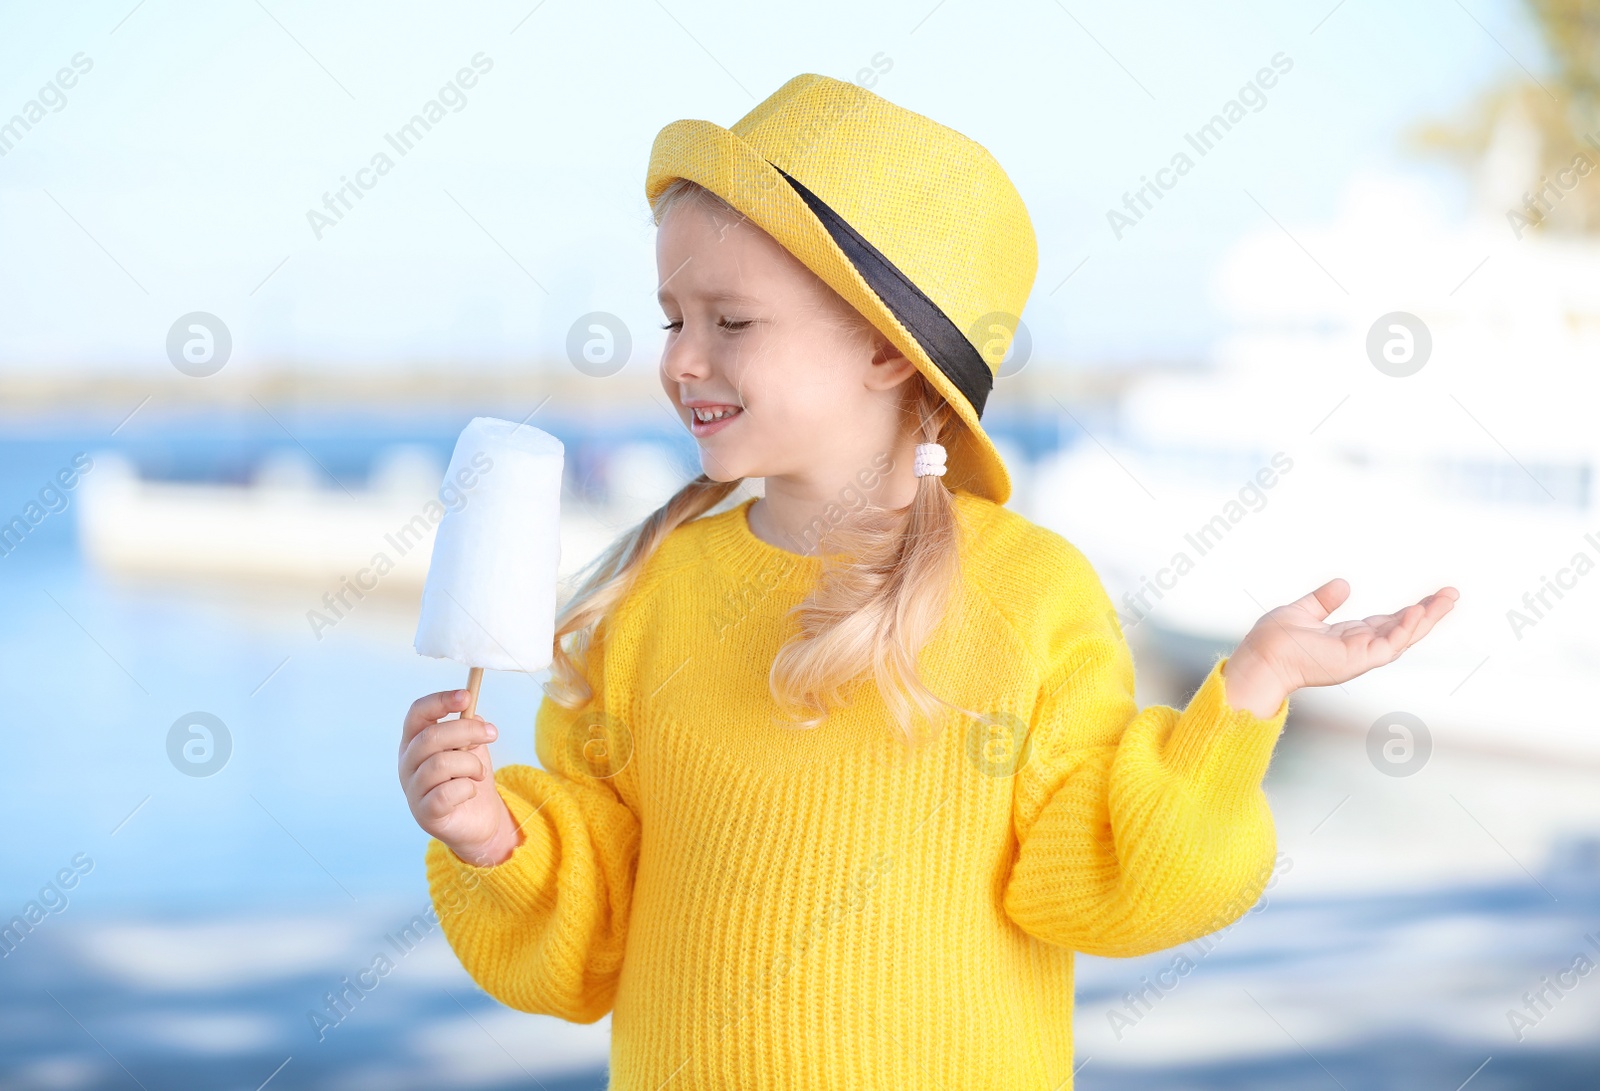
[731,326]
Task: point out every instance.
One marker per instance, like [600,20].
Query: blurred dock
[409,386]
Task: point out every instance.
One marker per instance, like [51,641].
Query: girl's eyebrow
[724,295]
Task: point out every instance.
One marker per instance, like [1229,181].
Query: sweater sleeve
[544,930]
[1137,830]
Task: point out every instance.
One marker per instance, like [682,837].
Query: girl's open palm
[1298,648]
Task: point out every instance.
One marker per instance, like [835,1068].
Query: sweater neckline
[730,538]
[734,541]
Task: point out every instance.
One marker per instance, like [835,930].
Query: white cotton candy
[490,599]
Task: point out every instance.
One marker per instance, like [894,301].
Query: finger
[1381,624]
[478,752]
[1441,603]
[1427,614]
[1417,618]
[431,709]
[447,765]
[1324,600]
[1437,608]
[444,798]
[457,734]
[1394,630]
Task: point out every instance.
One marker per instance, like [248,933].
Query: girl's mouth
[700,428]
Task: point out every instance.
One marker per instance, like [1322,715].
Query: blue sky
[179,173]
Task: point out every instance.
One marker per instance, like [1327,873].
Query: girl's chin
[721,471]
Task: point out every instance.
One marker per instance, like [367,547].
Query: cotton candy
[490,598]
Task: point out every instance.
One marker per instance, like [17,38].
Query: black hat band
[945,345]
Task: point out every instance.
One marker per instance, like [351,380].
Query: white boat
[293,525]
[1478,470]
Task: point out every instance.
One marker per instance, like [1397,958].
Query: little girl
[836,780]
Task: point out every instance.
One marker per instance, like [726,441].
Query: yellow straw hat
[915,225]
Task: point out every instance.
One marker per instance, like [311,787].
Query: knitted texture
[761,906]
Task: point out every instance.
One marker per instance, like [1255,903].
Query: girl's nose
[682,359]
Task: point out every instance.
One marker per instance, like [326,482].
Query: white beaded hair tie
[929,460]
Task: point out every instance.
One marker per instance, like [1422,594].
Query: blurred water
[216,912]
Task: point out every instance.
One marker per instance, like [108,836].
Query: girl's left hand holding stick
[1291,647]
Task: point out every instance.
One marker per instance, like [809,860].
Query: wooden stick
[474,680]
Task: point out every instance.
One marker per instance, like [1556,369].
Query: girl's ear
[890,367]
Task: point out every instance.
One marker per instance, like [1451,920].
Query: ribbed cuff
[525,879]
[1222,751]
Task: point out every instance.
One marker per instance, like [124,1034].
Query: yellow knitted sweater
[766,907]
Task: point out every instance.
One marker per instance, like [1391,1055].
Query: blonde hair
[894,574]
